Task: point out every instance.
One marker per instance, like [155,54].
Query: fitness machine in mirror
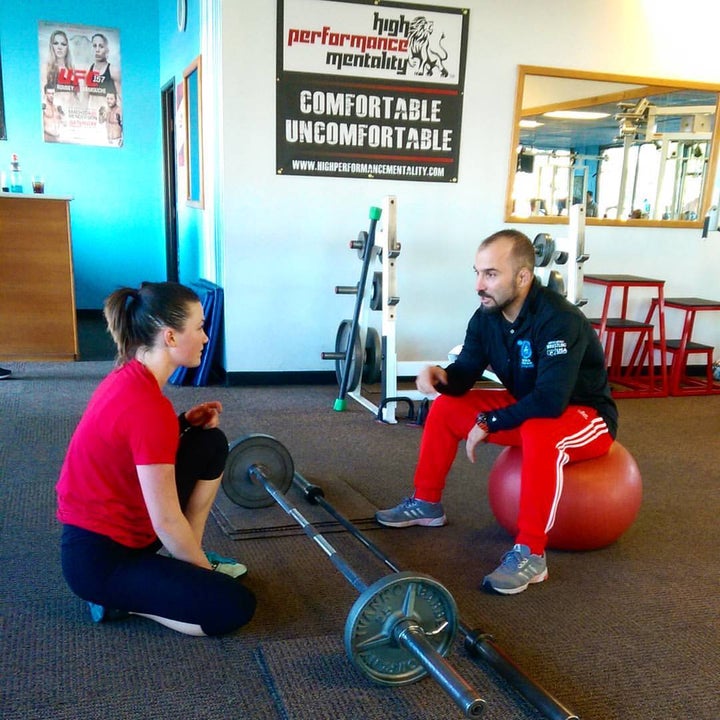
[636,151]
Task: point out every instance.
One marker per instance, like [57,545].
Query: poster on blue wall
[370,90]
[80,84]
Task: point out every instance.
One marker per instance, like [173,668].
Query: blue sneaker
[518,569]
[412,511]
[99,613]
[226,565]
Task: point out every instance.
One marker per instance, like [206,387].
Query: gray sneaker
[519,568]
[412,511]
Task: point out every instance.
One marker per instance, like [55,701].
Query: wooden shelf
[37,293]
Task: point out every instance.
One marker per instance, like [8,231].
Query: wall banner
[80,86]
[370,90]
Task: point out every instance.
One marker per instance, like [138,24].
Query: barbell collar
[313,493]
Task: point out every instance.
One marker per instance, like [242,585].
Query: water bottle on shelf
[16,183]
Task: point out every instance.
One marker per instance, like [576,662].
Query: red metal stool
[681,383]
[639,377]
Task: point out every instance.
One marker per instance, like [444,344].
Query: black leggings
[105,572]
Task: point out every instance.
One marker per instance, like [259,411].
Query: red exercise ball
[600,499]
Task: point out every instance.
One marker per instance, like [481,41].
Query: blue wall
[179,49]
[118,227]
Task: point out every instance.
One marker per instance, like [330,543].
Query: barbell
[258,463]
[478,643]
[400,627]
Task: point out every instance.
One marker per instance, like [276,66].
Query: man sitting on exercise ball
[556,402]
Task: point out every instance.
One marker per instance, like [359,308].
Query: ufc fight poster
[80,84]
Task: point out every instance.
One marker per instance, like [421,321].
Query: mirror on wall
[192,91]
[635,151]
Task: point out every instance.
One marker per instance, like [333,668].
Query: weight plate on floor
[272,459]
[356,355]
[376,295]
[544,249]
[369,630]
[372,368]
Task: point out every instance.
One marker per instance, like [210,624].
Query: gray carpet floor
[628,631]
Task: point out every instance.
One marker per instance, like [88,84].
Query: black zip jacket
[549,358]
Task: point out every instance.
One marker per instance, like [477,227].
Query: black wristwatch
[482,422]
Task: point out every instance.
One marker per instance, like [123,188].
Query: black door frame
[167,101]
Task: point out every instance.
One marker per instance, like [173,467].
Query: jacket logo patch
[556,347]
[525,354]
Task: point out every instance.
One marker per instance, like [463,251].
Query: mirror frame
[706,201]
[192,92]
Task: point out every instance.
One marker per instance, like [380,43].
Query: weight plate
[556,282]
[272,459]
[362,239]
[544,249]
[369,630]
[376,296]
[372,368]
[356,355]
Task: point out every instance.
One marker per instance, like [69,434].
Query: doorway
[167,100]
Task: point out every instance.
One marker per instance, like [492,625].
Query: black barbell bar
[478,643]
[368,250]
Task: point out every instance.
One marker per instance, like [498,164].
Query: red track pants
[547,445]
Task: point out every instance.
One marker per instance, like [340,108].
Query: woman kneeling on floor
[137,478]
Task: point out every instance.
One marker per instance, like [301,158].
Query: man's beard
[496,307]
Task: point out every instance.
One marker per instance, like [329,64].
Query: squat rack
[360,353]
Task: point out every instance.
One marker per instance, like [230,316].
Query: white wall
[286,237]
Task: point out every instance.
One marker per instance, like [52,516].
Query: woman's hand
[206,415]
[159,490]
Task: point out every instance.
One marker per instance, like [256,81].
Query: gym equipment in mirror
[634,150]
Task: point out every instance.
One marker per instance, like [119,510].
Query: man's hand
[206,415]
[429,378]
[474,438]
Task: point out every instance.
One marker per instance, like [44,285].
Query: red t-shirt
[128,422]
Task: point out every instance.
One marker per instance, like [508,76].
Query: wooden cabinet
[37,294]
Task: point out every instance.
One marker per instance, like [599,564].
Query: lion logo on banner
[424,57]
